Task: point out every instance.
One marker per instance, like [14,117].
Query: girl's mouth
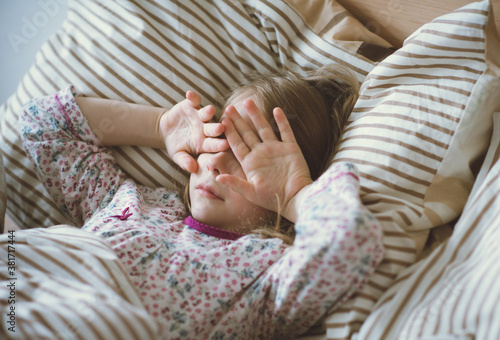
[208,192]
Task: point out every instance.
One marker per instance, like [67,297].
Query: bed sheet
[65,283]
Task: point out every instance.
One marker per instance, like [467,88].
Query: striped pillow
[453,293]
[152,53]
[418,134]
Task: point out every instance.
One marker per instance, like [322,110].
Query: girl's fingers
[236,184]
[284,127]
[260,122]
[248,136]
[238,146]
[185,161]
[206,113]
[194,98]
[213,129]
[215,145]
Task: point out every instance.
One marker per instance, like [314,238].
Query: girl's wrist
[291,210]
[160,128]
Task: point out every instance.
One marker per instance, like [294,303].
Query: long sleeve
[77,171]
[338,244]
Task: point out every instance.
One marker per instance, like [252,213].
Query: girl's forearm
[120,123]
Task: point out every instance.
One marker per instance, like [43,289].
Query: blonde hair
[317,106]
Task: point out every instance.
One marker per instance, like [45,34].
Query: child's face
[217,205]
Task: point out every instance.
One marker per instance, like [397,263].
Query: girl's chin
[208,219]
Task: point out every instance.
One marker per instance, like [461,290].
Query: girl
[227,270]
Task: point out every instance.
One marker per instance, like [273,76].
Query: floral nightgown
[197,281]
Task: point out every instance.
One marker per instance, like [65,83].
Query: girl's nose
[218,163]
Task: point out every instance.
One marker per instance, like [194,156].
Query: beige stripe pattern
[453,293]
[414,132]
[68,284]
[152,53]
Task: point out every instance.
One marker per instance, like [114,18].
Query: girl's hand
[187,131]
[276,171]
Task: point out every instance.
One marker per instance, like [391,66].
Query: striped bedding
[64,283]
[410,133]
[418,134]
[453,293]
